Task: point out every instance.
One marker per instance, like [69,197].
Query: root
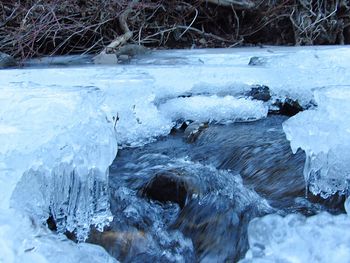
[316,21]
[244,4]
[121,40]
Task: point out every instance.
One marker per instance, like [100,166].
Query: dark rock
[7,61]
[51,223]
[346,33]
[334,203]
[185,95]
[184,125]
[180,126]
[119,243]
[289,107]
[260,92]
[71,236]
[257,61]
[168,186]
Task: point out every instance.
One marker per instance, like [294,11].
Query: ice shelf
[214,108]
[321,238]
[59,128]
[324,135]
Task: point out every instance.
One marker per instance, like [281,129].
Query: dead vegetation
[53,27]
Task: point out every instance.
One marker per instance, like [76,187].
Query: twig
[124,26]
[190,25]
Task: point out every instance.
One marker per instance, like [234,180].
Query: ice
[295,238]
[214,108]
[47,143]
[56,145]
[58,127]
[324,135]
[40,246]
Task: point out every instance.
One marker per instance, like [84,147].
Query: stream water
[189,196]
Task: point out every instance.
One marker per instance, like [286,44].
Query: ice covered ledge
[324,135]
[58,129]
[56,146]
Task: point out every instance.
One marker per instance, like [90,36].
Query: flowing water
[189,197]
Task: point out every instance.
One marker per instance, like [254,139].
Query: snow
[214,108]
[295,238]
[59,129]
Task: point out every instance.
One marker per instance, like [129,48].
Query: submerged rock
[217,226]
[119,243]
[167,186]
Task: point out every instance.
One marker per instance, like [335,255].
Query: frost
[324,134]
[295,238]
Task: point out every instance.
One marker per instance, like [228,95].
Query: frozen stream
[61,127]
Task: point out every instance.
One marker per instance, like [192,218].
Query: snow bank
[324,135]
[295,238]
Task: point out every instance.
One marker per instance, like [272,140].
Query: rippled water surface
[189,197]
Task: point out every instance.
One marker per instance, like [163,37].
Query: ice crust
[58,128]
[324,135]
[214,108]
[21,240]
[295,238]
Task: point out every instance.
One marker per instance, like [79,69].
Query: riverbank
[33,29]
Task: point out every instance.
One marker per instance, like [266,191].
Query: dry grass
[52,27]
